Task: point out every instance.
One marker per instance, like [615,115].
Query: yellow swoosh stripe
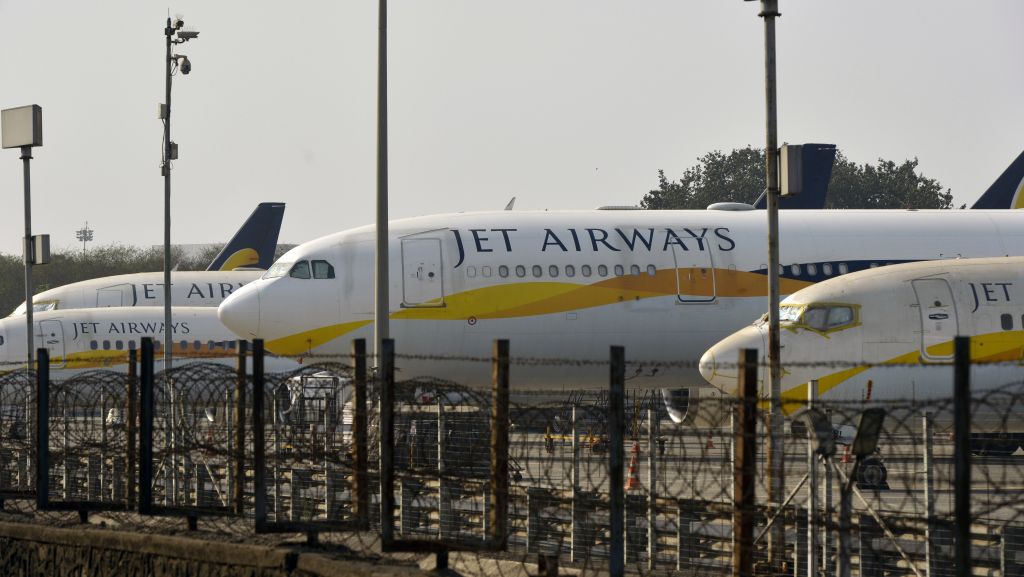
[524,299]
[988,348]
[301,343]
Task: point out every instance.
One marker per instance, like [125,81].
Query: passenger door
[695,274]
[938,316]
[51,337]
[422,278]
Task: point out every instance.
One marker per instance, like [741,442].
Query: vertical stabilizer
[817,172]
[254,244]
[1008,190]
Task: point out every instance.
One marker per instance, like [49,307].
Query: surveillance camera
[178,22]
[186,65]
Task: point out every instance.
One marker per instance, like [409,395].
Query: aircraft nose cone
[720,364]
[707,366]
[240,312]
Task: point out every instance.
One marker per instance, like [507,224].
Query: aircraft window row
[554,271]
[827,269]
[119,345]
[1006,320]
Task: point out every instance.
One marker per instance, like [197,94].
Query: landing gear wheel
[872,474]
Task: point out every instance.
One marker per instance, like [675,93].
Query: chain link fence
[589,481]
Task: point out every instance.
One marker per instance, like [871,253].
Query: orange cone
[711,442]
[846,456]
[633,481]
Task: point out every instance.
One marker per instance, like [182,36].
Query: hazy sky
[563,104]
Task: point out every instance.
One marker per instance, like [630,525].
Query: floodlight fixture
[819,430]
[22,126]
[186,35]
[866,441]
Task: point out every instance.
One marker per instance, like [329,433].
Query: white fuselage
[666,285]
[188,288]
[100,338]
[898,346]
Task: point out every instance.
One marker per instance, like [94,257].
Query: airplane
[886,336]
[565,285]
[1007,191]
[100,338]
[252,246]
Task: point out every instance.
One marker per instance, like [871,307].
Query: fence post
[361,490]
[574,528]
[387,443]
[146,428]
[131,415]
[498,522]
[653,432]
[239,418]
[929,495]
[616,490]
[826,530]
[259,439]
[812,489]
[43,429]
[743,474]
[962,452]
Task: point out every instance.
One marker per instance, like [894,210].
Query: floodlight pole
[28,248]
[776,462]
[381,303]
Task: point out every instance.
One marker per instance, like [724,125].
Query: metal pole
[653,432]
[28,249]
[43,430]
[387,443]
[616,497]
[168,32]
[826,531]
[929,493]
[574,553]
[146,428]
[812,490]
[381,305]
[776,461]
[130,424]
[362,488]
[259,445]
[498,522]
[962,453]
[240,390]
[743,474]
[845,550]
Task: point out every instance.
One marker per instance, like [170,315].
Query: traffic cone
[633,481]
[847,458]
[711,442]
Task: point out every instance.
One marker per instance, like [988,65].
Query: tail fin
[254,244]
[818,161]
[1008,190]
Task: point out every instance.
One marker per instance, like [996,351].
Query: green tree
[739,177]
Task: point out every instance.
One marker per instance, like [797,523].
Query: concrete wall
[37,551]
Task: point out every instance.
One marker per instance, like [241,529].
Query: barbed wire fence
[591,481]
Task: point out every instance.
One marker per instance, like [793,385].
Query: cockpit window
[37,306]
[790,313]
[322,269]
[278,269]
[300,270]
[819,317]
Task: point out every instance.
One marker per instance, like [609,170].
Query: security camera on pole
[174,63]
